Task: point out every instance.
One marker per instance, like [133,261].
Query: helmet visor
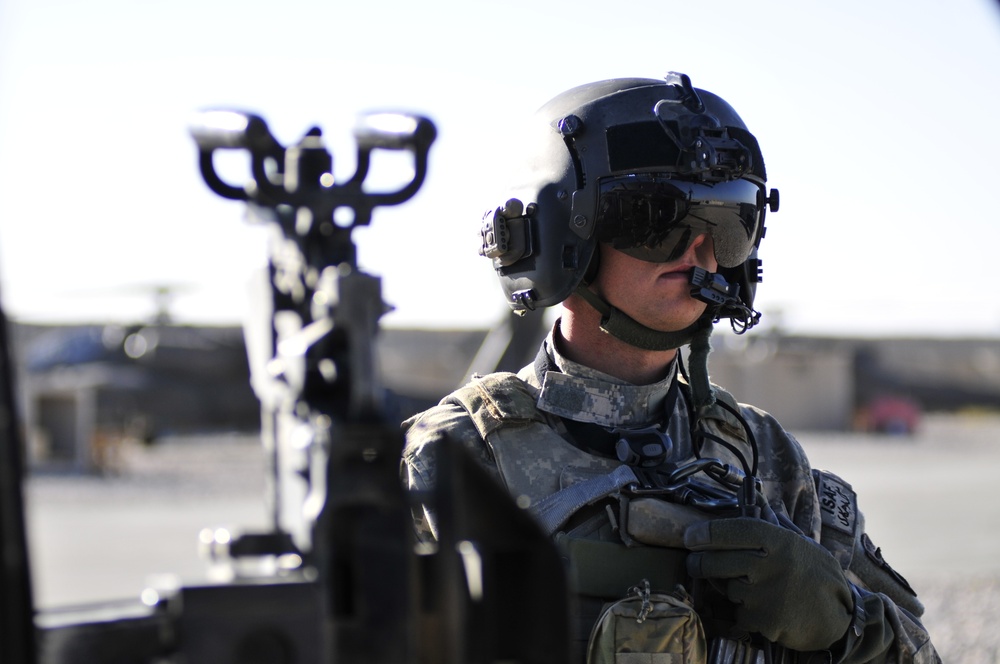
[654,218]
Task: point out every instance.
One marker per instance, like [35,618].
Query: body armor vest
[613,543]
[613,548]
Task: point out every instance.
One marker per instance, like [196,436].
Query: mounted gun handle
[213,130]
[389,131]
[233,130]
[394,131]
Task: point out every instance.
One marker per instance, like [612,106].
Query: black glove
[785,587]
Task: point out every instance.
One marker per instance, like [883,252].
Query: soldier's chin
[678,323]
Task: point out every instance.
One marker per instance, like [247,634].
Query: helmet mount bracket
[506,233]
[689,96]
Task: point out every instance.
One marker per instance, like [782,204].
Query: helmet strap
[625,328]
[702,395]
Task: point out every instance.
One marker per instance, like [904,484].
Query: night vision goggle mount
[706,150]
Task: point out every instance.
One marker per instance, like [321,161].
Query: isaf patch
[837,503]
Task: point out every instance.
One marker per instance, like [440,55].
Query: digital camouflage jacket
[534,432]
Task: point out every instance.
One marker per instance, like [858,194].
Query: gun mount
[338,577]
[313,369]
[338,511]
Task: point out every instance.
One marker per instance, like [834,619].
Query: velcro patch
[837,503]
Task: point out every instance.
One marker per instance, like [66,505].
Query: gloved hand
[784,586]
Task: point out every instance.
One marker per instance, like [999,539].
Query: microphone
[713,289]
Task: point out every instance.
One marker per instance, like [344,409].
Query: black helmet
[643,164]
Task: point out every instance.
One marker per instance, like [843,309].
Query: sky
[877,122]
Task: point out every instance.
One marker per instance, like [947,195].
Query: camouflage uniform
[534,433]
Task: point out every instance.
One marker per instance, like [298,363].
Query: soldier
[640,208]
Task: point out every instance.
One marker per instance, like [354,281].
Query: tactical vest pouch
[648,628]
[603,569]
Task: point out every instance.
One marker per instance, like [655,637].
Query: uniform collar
[580,393]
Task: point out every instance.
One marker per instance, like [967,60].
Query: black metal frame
[347,581]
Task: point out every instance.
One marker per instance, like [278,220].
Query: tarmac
[928,501]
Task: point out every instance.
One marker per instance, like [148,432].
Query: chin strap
[723,300]
[702,394]
[625,328]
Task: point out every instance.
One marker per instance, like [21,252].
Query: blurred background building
[86,389]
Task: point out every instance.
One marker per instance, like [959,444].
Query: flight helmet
[645,165]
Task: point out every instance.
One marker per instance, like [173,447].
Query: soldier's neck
[582,341]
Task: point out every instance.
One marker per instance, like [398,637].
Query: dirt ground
[928,502]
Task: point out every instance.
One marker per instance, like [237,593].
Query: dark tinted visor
[654,218]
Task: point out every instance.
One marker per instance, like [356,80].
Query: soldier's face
[655,294]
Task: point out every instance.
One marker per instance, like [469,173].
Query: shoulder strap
[497,400]
[555,509]
[719,415]
[503,400]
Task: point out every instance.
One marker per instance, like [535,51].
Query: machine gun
[338,577]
